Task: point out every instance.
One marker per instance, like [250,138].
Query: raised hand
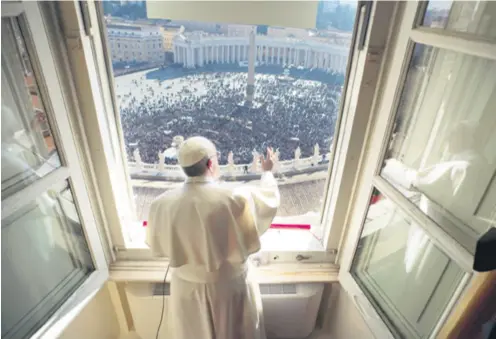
[267,161]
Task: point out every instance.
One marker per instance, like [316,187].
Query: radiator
[290,310]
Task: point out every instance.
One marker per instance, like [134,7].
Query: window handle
[301,257]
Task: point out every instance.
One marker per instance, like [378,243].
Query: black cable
[163,303]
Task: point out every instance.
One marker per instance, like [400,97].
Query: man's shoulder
[219,190]
[168,195]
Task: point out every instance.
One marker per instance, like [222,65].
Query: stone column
[200,56]
[297,57]
[307,57]
[284,55]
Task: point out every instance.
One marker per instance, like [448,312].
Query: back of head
[194,155]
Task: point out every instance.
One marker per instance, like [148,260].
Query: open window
[204,58]
[247,82]
[427,189]
[52,256]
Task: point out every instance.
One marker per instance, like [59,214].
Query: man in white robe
[208,231]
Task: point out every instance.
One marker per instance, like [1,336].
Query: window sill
[153,271]
[284,240]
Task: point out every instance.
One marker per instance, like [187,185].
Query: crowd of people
[287,112]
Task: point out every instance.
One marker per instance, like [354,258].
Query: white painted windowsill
[280,240]
[153,272]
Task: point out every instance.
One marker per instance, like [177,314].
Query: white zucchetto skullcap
[194,149]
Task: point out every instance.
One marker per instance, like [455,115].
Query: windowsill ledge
[153,272]
[280,240]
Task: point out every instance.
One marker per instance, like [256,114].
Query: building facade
[168,34]
[135,43]
[196,49]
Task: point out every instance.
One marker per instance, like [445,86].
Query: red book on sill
[279,226]
[291,226]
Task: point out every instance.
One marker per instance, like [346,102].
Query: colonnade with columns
[324,57]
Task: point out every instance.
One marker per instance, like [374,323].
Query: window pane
[476,17]
[45,257]
[406,277]
[28,148]
[441,154]
[196,82]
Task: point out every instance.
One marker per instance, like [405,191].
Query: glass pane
[28,148]
[441,154]
[179,78]
[476,17]
[45,257]
[406,277]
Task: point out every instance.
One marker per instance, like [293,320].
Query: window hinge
[365,8]
[85,13]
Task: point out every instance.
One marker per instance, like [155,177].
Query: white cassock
[208,231]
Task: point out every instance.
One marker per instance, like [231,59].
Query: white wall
[97,320]
[344,320]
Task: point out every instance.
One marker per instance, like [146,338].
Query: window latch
[301,257]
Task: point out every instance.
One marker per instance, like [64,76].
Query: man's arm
[153,231]
[263,201]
